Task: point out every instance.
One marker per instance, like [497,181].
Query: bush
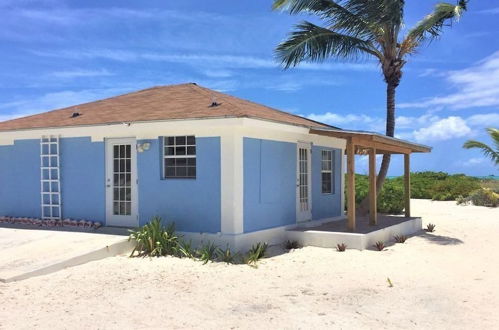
[153,239]
[341,247]
[208,252]
[390,199]
[453,187]
[291,245]
[484,197]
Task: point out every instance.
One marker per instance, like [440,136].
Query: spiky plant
[227,256]
[379,245]
[491,152]
[355,29]
[256,253]
[208,252]
[153,239]
[341,247]
[400,238]
[430,227]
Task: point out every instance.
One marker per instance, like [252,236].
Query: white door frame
[304,210]
[112,219]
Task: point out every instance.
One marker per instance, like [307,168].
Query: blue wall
[193,204]
[325,205]
[20,179]
[269,184]
[83,179]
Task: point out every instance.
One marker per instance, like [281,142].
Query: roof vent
[214,102]
[75,114]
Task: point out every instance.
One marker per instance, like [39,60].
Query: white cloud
[470,162]
[484,120]
[443,129]
[477,86]
[79,73]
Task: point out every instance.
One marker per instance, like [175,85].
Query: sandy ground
[447,279]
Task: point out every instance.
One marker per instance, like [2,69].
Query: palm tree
[487,150]
[355,29]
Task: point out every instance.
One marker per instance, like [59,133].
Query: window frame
[165,145]
[330,171]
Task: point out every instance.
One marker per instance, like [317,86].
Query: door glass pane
[122,193]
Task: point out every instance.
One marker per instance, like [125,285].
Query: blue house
[220,167]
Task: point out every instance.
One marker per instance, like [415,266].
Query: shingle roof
[184,101]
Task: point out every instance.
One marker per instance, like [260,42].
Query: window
[179,157]
[327,171]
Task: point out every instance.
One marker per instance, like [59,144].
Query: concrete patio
[28,252]
[335,232]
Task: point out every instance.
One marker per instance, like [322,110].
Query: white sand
[448,279]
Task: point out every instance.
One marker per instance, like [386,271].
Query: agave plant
[379,245]
[355,29]
[227,255]
[256,253]
[341,247]
[400,238]
[153,239]
[430,227]
[186,250]
[208,252]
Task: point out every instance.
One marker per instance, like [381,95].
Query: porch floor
[365,236]
[362,224]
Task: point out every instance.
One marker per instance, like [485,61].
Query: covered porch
[372,144]
[360,228]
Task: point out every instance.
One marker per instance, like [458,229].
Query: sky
[57,53]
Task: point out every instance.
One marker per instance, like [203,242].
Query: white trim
[131,220]
[231,162]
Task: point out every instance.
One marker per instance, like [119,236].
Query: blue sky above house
[57,53]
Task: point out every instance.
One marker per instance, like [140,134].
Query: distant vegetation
[438,186]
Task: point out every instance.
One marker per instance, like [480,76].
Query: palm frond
[314,43]
[494,134]
[485,149]
[336,16]
[431,26]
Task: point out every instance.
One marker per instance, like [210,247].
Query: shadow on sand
[441,240]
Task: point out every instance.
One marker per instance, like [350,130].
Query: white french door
[303,183]
[121,182]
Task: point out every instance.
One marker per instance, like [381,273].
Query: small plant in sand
[208,252]
[400,238]
[390,284]
[153,239]
[290,245]
[256,253]
[341,247]
[430,228]
[185,250]
[379,245]
[227,255]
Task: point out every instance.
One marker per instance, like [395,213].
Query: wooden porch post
[373,209]
[407,184]
[351,184]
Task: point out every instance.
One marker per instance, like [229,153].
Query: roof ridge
[206,91]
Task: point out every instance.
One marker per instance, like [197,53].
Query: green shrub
[484,197]
[153,239]
[453,187]
[390,199]
[291,245]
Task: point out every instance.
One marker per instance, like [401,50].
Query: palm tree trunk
[390,131]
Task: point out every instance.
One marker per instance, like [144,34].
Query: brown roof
[185,101]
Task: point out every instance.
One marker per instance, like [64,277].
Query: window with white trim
[327,171]
[179,157]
